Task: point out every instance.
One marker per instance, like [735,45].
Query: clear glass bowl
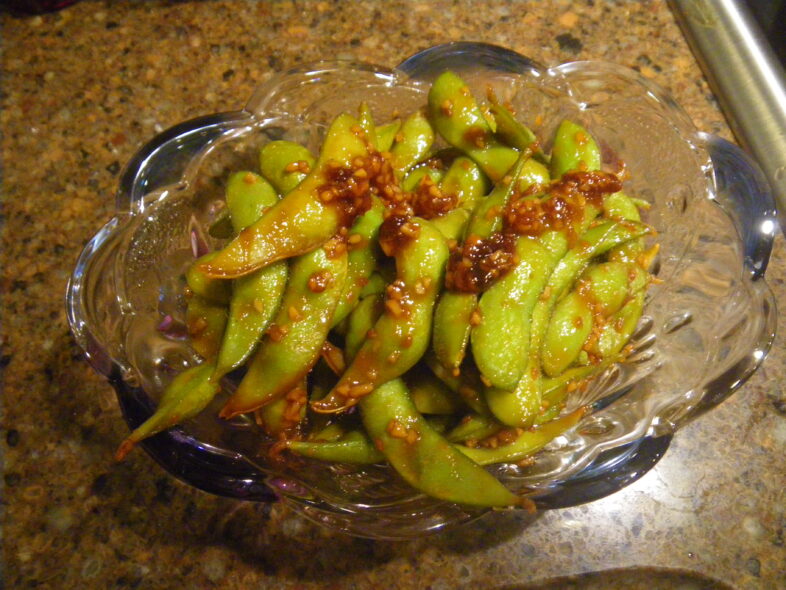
[707,325]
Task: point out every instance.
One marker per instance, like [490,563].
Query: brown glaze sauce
[564,205]
[477,263]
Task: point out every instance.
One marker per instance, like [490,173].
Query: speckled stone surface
[81,91]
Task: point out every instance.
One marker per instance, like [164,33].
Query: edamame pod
[248,195]
[214,291]
[466,180]
[526,444]
[188,394]
[255,300]
[422,457]
[401,335]
[354,447]
[256,296]
[514,133]
[474,427]
[504,311]
[361,320]
[574,149]
[300,221]
[285,164]
[452,224]
[415,176]
[366,121]
[459,120]
[412,142]
[362,258]
[295,338]
[430,395]
[205,323]
[569,327]
[618,330]
[386,135]
[281,418]
[520,407]
[454,312]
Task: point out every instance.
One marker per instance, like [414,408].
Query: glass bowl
[708,322]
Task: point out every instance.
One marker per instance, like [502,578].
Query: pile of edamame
[388,301]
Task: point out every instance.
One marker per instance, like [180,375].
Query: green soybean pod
[574,149]
[403,332]
[298,332]
[521,406]
[366,122]
[362,258]
[514,133]
[452,224]
[215,291]
[354,448]
[415,176]
[255,300]
[256,296]
[422,457]
[361,320]
[188,394]
[570,326]
[248,195]
[618,330]
[386,135]
[475,427]
[459,120]
[205,323]
[505,309]
[276,162]
[527,443]
[413,142]
[466,180]
[301,220]
[430,395]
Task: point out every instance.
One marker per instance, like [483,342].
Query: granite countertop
[82,90]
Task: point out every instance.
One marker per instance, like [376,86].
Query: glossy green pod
[568,330]
[573,149]
[362,258]
[474,427]
[514,133]
[412,142]
[415,176]
[504,314]
[275,163]
[386,135]
[466,180]
[255,299]
[186,396]
[361,320]
[430,395]
[520,406]
[422,457]
[296,336]
[458,119]
[527,443]
[402,334]
[366,121]
[256,296]
[300,221]
[215,291]
[205,323]
[248,196]
[354,447]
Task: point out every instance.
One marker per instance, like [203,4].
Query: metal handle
[747,79]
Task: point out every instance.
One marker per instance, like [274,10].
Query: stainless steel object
[747,79]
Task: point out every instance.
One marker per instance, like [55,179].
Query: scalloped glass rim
[608,450]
